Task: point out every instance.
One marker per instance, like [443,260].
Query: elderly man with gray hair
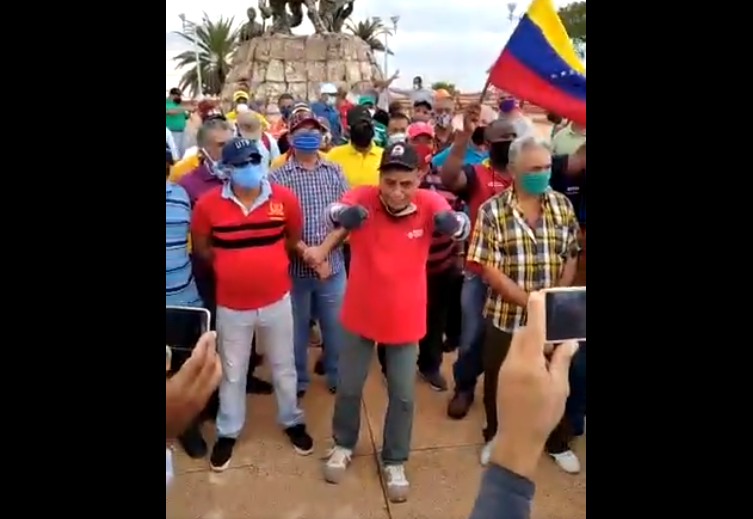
[249,127]
[526,239]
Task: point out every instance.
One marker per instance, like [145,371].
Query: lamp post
[190,27]
[387,33]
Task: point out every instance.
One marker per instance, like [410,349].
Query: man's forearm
[569,273]
[505,287]
[334,240]
[503,495]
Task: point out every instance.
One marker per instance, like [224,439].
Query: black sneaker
[222,454]
[193,443]
[436,381]
[301,440]
[319,368]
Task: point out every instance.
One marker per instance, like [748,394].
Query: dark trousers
[496,347]
[454,326]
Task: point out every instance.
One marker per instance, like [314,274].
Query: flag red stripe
[512,76]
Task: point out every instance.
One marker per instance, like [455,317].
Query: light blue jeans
[235,333]
[326,296]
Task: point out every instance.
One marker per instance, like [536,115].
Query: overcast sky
[441,41]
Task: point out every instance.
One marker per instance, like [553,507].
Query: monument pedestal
[271,65]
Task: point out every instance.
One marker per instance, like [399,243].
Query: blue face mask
[306,140]
[247,177]
[536,183]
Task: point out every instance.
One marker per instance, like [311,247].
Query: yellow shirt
[360,169]
[282,159]
[183,167]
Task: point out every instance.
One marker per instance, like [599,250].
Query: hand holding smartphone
[183,328]
[565,314]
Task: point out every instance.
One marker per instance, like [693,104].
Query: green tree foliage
[372,32]
[574,17]
[444,85]
[216,40]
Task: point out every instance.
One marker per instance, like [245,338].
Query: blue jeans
[576,404]
[470,364]
[326,297]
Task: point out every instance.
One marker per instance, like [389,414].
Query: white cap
[329,89]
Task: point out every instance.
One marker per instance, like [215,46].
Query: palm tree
[217,41]
[372,32]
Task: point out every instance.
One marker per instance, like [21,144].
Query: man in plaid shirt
[319,282]
[526,239]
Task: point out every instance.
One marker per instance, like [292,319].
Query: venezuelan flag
[539,64]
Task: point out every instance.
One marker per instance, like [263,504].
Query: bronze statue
[334,13]
[251,29]
[283,22]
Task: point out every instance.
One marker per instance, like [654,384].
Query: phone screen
[566,315]
[184,327]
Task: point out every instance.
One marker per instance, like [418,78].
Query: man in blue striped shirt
[317,183]
[180,289]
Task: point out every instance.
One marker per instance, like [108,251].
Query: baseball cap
[240,94]
[301,117]
[329,88]
[239,152]
[399,156]
[500,131]
[358,114]
[418,129]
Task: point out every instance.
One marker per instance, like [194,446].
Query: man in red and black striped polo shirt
[245,229]
[442,268]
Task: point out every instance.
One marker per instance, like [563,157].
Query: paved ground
[268,481]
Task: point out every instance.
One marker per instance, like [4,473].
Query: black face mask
[499,155]
[478,136]
[362,135]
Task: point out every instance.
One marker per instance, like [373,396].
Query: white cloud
[437,40]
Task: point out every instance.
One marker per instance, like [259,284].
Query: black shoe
[222,454]
[257,386]
[193,443]
[301,440]
[319,368]
[460,405]
[436,381]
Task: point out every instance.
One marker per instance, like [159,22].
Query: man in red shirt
[391,228]
[245,229]
[475,185]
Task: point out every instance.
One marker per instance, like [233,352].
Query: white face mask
[242,108]
[397,137]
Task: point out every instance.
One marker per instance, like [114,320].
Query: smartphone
[183,328]
[565,314]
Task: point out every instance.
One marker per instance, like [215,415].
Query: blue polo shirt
[180,288]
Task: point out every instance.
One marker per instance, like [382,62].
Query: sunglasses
[254,160]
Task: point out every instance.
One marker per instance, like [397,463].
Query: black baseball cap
[399,156]
[358,114]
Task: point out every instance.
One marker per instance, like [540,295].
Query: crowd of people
[354,224]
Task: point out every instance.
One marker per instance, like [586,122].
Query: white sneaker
[486,454]
[337,462]
[567,461]
[398,486]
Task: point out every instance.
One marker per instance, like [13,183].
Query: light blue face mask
[214,167]
[248,176]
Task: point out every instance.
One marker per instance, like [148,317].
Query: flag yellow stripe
[544,15]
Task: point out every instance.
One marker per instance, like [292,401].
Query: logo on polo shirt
[276,211]
[416,234]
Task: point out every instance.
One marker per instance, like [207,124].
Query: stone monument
[278,62]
